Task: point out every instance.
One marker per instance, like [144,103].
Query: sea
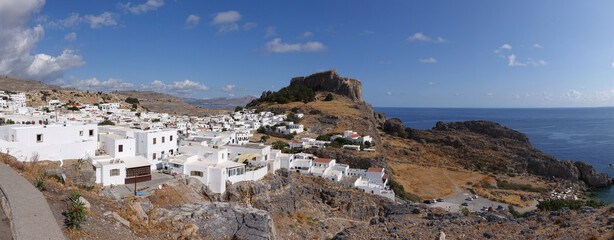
[577,134]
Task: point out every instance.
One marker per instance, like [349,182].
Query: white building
[49,142]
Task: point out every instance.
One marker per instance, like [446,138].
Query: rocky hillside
[16,84]
[223,101]
[166,103]
[346,111]
[489,147]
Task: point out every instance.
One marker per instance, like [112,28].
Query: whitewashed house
[49,142]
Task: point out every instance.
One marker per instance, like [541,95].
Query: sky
[406,53]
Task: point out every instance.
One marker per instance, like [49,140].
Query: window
[154,142]
[162,139]
[154,156]
[81,133]
[171,137]
[91,132]
[121,148]
[196,173]
[114,172]
[39,137]
[171,151]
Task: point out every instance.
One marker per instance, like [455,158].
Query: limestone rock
[86,204]
[219,220]
[120,219]
[330,81]
[140,213]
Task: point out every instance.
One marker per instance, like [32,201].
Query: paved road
[30,216]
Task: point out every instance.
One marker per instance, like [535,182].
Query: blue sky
[406,53]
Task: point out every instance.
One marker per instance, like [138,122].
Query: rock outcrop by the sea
[218,220]
[474,138]
[330,81]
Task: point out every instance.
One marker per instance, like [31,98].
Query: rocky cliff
[331,81]
[488,146]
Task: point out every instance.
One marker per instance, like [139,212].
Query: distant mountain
[231,102]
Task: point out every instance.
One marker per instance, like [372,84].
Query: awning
[245,157]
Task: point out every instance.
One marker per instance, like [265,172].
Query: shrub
[261,130]
[465,211]
[73,108]
[399,190]
[238,109]
[264,138]
[292,93]
[75,215]
[557,204]
[329,97]
[292,118]
[106,122]
[40,183]
[132,100]
[515,213]
[520,187]
[280,145]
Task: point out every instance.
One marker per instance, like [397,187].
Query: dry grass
[173,195]
[431,182]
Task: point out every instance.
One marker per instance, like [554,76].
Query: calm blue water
[578,134]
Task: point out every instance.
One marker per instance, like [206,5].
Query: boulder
[86,204]
[140,213]
[120,219]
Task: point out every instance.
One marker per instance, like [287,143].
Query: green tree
[264,138]
[238,109]
[132,100]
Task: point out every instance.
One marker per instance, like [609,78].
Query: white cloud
[192,21]
[366,32]
[71,37]
[537,63]
[604,96]
[503,47]
[93,84]
[18,41]
[184,87]
[428,60]
[72,21]
[388,93]
[249,25]
[457,94]
[104,19]
[512,62]
[537,46]
[421,37]
[228,88]
[270,31]
[276,46]
[612,64]
[431,83]
[307,34]
[150,5]
[226,21]
[573,95]
[490,94]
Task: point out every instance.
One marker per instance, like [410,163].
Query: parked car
[478,212]
[440,199]
[500,208]
[474,196]
[465,204]
[490,209]
[468,199]
[429,201]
